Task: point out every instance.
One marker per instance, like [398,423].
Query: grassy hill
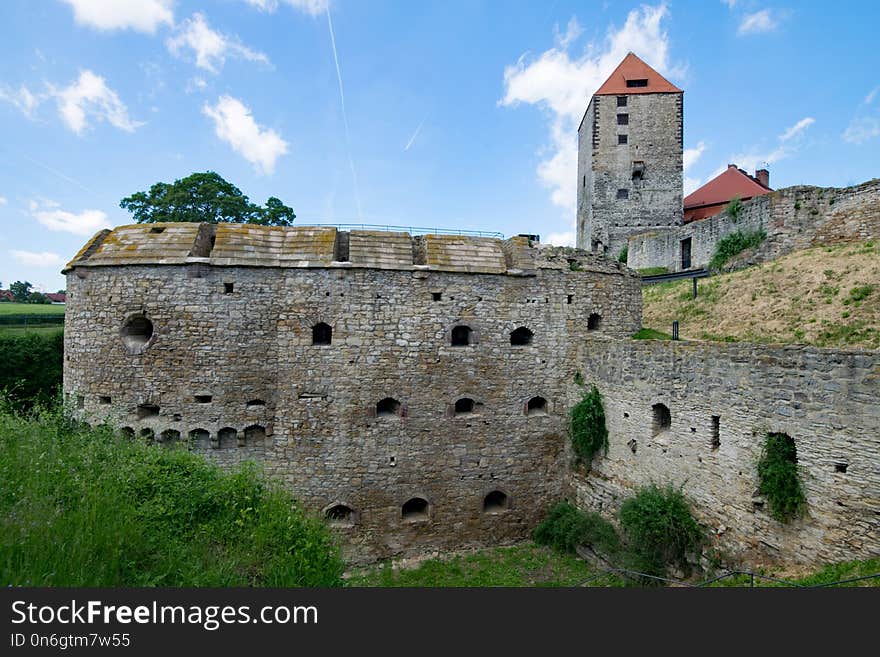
[826,296]
[13,308]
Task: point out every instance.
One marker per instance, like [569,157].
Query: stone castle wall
[825,399]
[231,370]
[794,218]
[654,196]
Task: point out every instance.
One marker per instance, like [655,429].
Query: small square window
[623,119]
[622,139]
[637,83]
[622,193]
[436,296]
[228,288]
[621,101]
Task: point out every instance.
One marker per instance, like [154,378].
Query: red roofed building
[56,297]
[633,76]
[712,197]
[6,295]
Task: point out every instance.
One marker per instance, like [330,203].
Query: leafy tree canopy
[21,290]
[204,197]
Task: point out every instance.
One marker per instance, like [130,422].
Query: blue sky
[455,114]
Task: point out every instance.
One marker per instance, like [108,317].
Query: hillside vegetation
[825,296]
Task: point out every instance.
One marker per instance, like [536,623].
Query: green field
[10,308]
[26,330]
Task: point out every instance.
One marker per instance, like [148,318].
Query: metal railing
[412,230]
[635,576]
[675,276]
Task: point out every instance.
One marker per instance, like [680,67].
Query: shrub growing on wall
[587,426]
[733,244]
[623,256]
[566,527]
[778,476]
[660,530]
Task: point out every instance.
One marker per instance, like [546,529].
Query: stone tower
[629,158]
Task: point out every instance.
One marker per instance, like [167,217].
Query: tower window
[414,510]
[387,407]
[637,83]
[322,333]
[536,406]
[621,101]
[662,418]
[623,119]
[465,405]
[622,139]
[638,171]
[461,336]
[495,502]
[585,181]
[622,193]
[594,321]
[521,336]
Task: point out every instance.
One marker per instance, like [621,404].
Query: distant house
[56,297]
[6,295]
[714,195]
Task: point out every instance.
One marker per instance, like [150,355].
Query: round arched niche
[137,333]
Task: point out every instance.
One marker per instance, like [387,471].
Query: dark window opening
[147,434]
[136,333]
[104,399]
[686,253]
[465,405]
[227,437]
[228,288]
[200,438]
[461,336]
[594,321]
[638,170]
[585,181]
[623,119]
[147,410]
[716,431]
[253,403]
[840,467]
[255,435]
[169,436]
[622,193]
[80,401]
[536,406]
[387,407]
[570,298]
[621,101]
[643,82]
[415,509]
[622,139]
[495,502]
[521,336]
[322,333]
[662,418]
[157,229]
[436,296]
[339,514]
[203,399]
[126,432]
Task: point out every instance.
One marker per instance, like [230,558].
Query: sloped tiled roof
[723,187]
[633,68]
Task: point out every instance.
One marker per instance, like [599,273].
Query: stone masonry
[204,336]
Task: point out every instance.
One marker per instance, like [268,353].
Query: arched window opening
[227,437]
[169,436]
[495,502]
[387,407]
[147,410]
[536,406]
[521,337]
[662,418]
[415,509]
[340,514]
[255,435]
[322,333]
[136,333]
[465,405]
[147,434]
[461,336]
[200,438]
[594,321]
[255,403]
[126,432]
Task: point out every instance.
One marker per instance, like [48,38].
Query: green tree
[38,297]
[204,197]
[21,291]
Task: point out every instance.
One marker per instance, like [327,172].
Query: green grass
[13,308]
[41,329]
[651,334]
[526,564]
[836,572]
[85,507]
[653,271]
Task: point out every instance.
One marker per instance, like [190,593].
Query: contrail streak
[415,134]
[72,181]
[357,195]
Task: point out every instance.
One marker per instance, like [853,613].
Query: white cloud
[311,7]
[50,214]
[565,238]
[234,124]
[211,48]
[730,3]
[871,95]
[90,97]
[43,259]
[140,15]
[862,129]
[3,200]
[25,101]
[797,128]
[760,21]
[561,85]
[690,158]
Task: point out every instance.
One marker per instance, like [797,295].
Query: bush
[778,476]
[623,256]
[31,367]
[566,527]
[734,208]
[587,426]
[734,244]
[659,530]
[84,507]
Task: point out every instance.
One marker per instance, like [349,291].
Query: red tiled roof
[723,187]
[6,294]
[633,68]
[57,296]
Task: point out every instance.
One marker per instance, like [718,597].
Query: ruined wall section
[825,399]
[794,218]
[227,337]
